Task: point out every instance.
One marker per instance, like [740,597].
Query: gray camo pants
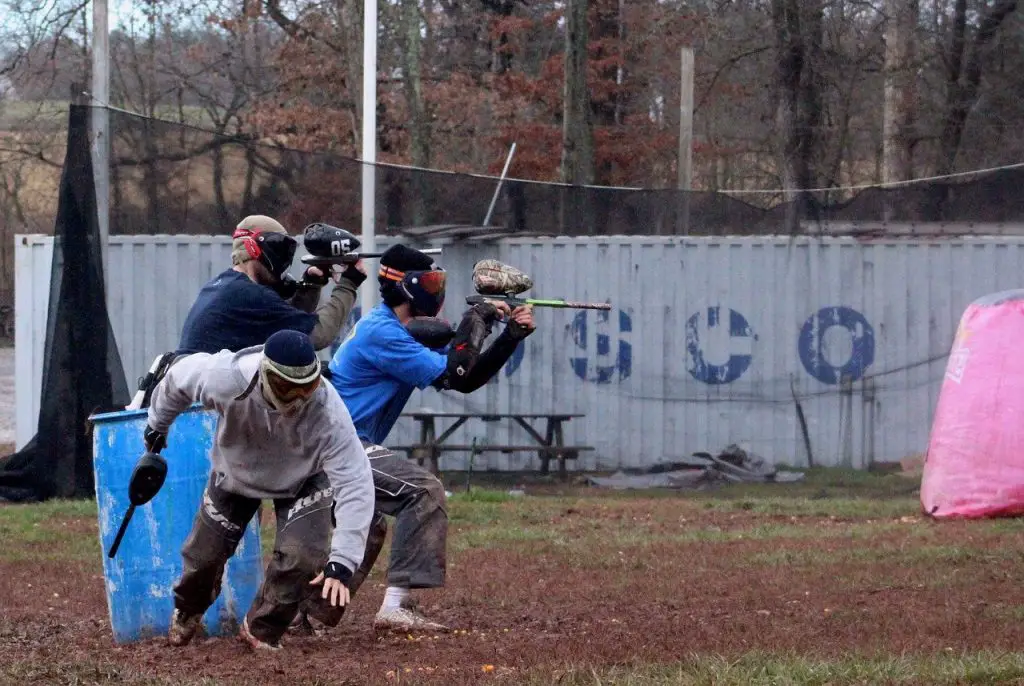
[415,498]
[301,549]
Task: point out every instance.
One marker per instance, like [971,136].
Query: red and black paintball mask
[407,275]
[262,238]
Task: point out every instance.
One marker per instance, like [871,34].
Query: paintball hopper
[146,481]
[491,277]
[494,280]
[325,242]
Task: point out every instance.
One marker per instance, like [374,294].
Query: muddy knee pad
[291,569]
[436,496]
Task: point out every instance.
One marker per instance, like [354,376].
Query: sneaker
[404,619]
[183,628]
[254,642]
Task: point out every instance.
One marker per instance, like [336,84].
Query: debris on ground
[700,470]
[912,466]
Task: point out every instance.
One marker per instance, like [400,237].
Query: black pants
[301,549]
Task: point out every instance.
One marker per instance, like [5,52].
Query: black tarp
[82,370]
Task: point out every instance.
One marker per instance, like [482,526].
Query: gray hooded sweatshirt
[263,454]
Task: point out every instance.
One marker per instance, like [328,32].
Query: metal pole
[100,123]
[685,161]
[368,295]
[494,200]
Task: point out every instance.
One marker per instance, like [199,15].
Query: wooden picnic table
[549,445]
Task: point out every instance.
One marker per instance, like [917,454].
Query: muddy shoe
[255,643]
[404,619]
[304,625]
[183,628]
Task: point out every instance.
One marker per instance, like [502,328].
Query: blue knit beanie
[292,356]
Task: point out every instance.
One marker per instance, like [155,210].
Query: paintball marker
[328,245]
[147,478]
[500,282]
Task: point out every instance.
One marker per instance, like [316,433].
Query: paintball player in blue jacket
[375,371]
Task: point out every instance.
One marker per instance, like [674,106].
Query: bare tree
[898,139]
[798,31]
[965,61]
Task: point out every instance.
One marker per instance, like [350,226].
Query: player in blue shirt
[375,371]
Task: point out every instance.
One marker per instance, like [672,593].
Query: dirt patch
[634,597]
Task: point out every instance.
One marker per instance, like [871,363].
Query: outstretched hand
[334,590]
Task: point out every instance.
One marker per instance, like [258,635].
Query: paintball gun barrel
[514,302]
[328,245]
[496,281]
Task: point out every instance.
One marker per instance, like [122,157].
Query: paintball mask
[273,250]
[424,289]
[289,371]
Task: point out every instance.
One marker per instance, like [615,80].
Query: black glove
[354,275]
[154,440]
[309,279]
[336,570]
[487,311]
[286,286]
[517,331]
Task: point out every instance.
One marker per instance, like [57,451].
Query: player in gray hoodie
[282,435]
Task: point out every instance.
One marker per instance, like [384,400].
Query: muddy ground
[542,582]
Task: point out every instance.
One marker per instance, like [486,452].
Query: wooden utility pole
[684,181]
[577,136]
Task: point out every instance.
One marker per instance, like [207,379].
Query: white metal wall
[708,341]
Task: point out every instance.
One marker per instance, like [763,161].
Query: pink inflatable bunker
[975,462]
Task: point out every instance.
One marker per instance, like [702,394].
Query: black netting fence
[169,178]
[82,371]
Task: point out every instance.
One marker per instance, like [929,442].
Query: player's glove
[354,275]
[154,440]
[517,331]
[336,570]
[286,286]
[334,578]
[313,278]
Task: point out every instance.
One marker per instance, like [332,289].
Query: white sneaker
[404,619]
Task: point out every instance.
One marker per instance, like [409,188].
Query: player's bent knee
[300,561]
[435,494]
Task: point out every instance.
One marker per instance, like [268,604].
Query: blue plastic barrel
[140,579]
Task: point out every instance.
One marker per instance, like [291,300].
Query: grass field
[837,580]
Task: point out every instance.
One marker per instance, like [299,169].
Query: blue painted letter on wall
[599,363]
[822,358]
[517,358]
[736,348]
